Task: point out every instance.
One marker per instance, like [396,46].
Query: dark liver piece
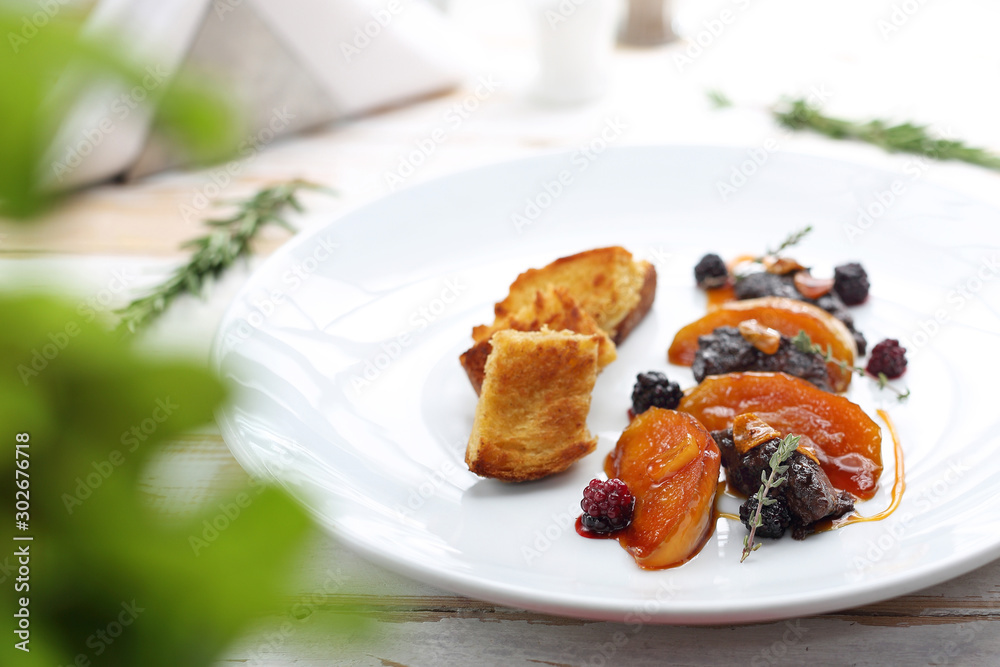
[808,492]
[725,350]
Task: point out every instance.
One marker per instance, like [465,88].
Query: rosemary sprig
[768,482]
[804,343]
[228,240]
[905,137]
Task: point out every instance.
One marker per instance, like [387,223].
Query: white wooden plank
[442,641]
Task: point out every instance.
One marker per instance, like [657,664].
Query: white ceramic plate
[344,348]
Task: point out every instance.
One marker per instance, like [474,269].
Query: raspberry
[654,389]
[774,518]
[711,272]
[887,358]
[850,282]
[607,506]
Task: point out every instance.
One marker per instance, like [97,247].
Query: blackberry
[887,358]
[654,389]
[850,282]
[607,506]
[711,272]
[774,518]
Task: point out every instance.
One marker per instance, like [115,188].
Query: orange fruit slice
[787,316]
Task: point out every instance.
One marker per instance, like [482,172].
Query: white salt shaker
[576,39]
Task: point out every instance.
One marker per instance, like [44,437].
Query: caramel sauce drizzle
[898,484]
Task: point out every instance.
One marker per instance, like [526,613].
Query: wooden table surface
[931,69]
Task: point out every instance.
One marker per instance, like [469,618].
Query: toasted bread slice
[607,283]
[531,419]
[552,307]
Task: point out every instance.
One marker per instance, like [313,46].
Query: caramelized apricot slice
[671,465]
[787,316]
[846,441]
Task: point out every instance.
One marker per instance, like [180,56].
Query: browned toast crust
[553,308]
[531,419]
[474,362]
[646,295]
[607,283]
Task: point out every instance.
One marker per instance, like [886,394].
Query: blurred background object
[53,67]
[287,65]
[647,23]
[575,42]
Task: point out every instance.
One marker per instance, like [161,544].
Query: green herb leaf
[718,99]
[768,482]
[791,240]
[803,343]
[905,137]
[99,414]
[229,240]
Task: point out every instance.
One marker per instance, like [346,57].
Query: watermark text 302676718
[22,546]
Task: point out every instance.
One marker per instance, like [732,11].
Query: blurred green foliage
[46,67]
[112,580]
[100,554]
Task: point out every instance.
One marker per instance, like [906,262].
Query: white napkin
[292,64]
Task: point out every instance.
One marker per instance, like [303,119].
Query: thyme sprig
[768,482]
[791,240]
[803,343]
[227,241]
[718,99]
[906,137]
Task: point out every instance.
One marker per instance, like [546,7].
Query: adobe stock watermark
[957,299]
[32,23]
[263,308]
[301,611]
[7,568]
[102,638]
[130,439]
[561,12]
[882,201]
[222,177]
[432,481]
[543,539]
[637,619]
[421,318]
[928,499]
[899,16]
[451,120]
[660,257]
[776,653]
[949,651]
[550,190]
[223,7]
[757,158]
[365,34]
[120,108]
[88,309]
[228,512]
[711,30]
